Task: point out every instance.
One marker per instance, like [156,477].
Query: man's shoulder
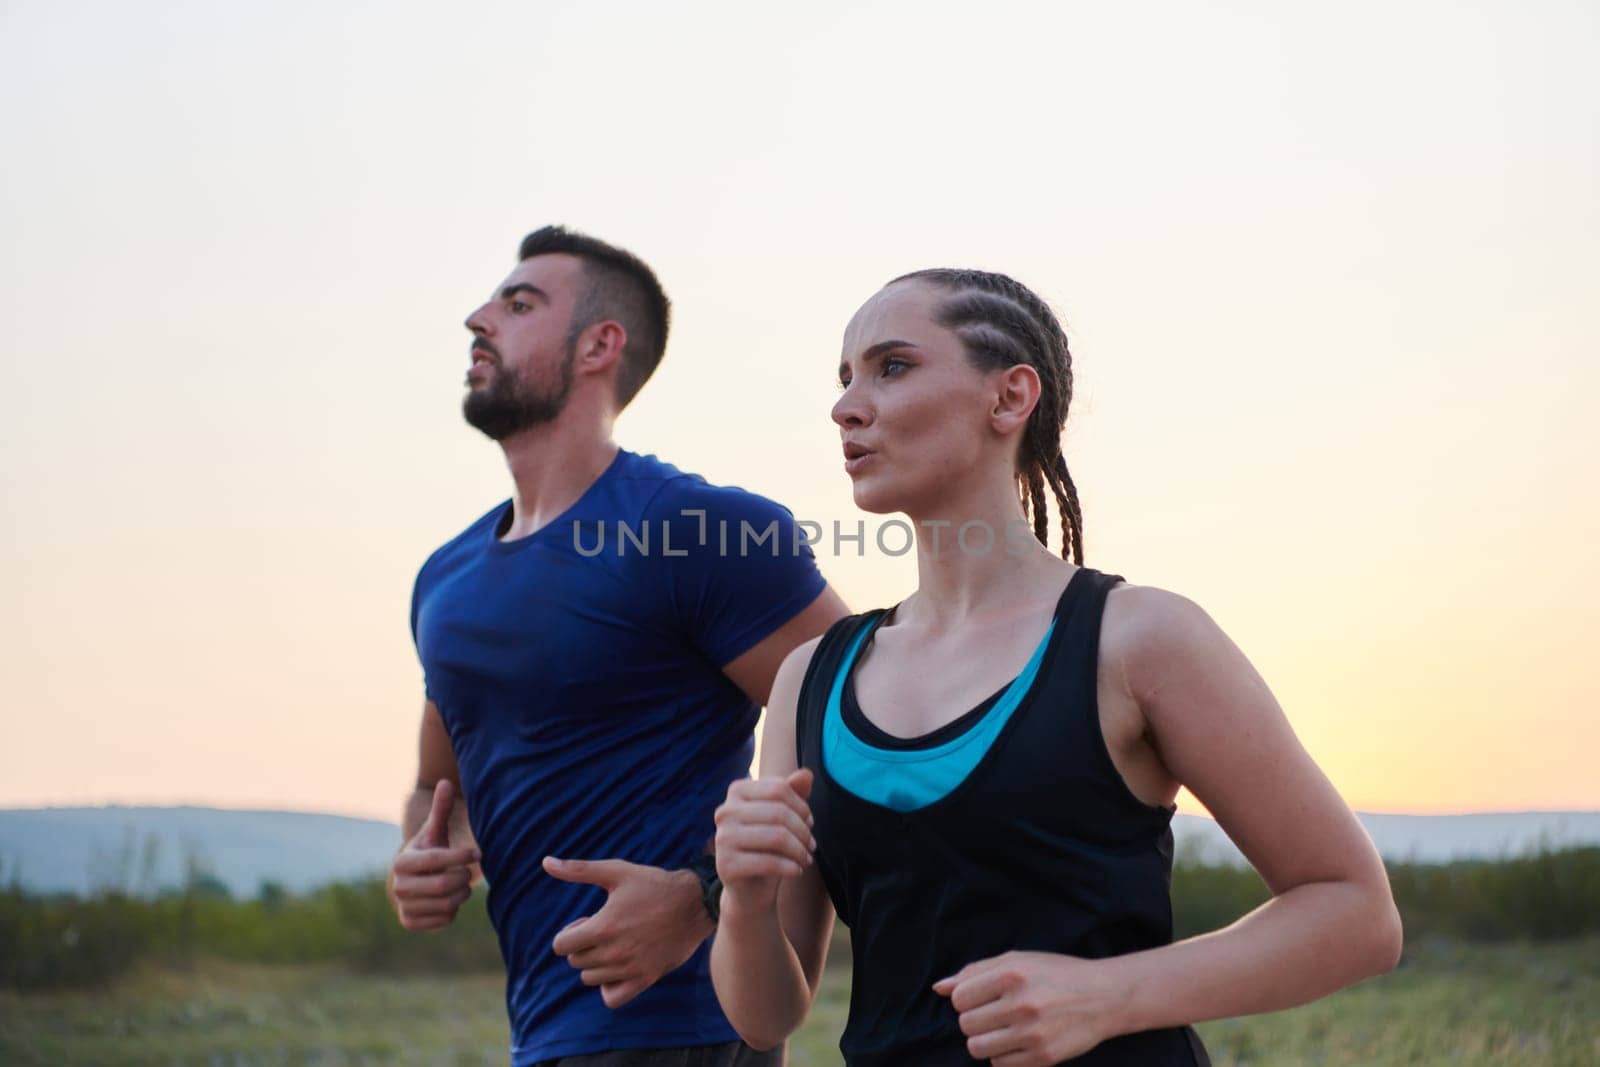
[681,496]
[471,539]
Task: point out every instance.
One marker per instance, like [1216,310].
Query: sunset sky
[1329,272]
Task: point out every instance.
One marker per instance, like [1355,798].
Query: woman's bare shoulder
[798,660]
[1145,621]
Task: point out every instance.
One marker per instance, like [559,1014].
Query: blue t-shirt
[577,671]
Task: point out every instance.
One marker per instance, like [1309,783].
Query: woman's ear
[1017,391]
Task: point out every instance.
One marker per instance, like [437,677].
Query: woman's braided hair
[1003,323]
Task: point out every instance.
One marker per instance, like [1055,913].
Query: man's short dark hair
[620,287]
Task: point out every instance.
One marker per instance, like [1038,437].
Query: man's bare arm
[432,874]
[436,762]
[754,670]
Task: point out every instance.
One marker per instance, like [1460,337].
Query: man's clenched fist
[430,880]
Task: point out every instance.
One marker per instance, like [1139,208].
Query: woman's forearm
[758,976]
[1303,944]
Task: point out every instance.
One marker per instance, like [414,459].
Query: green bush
[1206,898]
[1546,895]
[56,942]
[60,941]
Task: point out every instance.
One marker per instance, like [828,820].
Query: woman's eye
[519,307]
[844,383]
[892,366]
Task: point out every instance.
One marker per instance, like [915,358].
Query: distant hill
[145,850]
[1424,838]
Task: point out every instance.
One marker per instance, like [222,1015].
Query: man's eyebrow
[523,287]
[875,351]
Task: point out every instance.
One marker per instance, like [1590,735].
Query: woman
[980,780]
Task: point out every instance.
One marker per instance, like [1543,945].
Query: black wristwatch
[705,869]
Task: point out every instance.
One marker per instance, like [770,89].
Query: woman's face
[915,416]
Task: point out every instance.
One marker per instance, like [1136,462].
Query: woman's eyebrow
[883,346]
[874,351]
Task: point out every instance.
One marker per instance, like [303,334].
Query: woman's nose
[850,410]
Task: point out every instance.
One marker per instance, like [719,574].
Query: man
[595,651]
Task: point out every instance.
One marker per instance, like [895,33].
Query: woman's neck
[976,558]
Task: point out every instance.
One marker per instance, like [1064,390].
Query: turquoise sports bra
[907,779]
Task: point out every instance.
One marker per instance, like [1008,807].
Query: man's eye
[519,307]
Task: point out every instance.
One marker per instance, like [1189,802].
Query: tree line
[61,941]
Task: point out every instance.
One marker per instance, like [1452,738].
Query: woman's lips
[856,457]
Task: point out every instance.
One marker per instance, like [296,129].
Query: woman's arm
[1331,920]
[772,938]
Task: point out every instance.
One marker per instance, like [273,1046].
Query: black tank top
[1042,847]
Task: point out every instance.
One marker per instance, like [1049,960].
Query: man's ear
[599,347]
[1017,391]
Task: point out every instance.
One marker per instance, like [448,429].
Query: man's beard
[509,404]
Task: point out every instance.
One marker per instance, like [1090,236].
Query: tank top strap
[812,705]
[1077,667]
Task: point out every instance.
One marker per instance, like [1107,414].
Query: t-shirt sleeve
[416,602]
[735,565]
[419,591]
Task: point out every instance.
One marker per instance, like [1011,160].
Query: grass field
[1448,1003]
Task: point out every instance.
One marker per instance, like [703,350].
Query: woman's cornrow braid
[1049,452]
[1002,322]
[1046,438]
[1071,511]
[1038,511]
[1050,325]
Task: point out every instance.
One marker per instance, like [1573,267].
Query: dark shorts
[733,1054]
